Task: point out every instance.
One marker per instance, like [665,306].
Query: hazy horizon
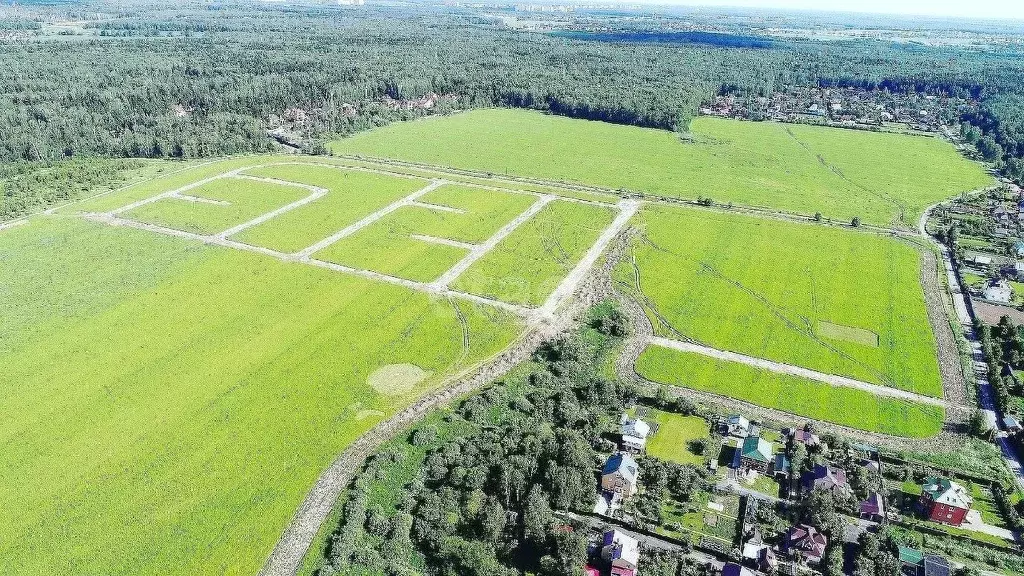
[985,9]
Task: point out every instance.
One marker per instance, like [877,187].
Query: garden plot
[466,214]
[388,247]
[351,195]
[805,398]
[527,266]
[826,299]
[216,206]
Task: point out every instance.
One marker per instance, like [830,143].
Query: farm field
[387,247]
[882,178]
[527,265]
[237,201]
[806,398]
[827,299]
[675,432]
[351,195]
[200,389]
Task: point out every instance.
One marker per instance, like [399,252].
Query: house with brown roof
[805,542]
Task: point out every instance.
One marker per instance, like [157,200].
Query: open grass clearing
[675,434]
[234,201]
[882,178]
[386,246]
[351,196]
[805,398]
[764,287]
[200,392]
[481,213]
[529,263]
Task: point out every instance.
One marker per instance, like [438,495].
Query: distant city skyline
[1001,9]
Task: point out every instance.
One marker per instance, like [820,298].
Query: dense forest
[198,79]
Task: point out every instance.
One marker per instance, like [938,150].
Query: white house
[736,425]
[634,433]
[620,550]
[998,291]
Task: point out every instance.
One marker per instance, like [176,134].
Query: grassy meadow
[675,432]
[527,266]
[351,196]
[828,299]
[484,212]
[806,398]
[882,178]
[169,404]
[242,201]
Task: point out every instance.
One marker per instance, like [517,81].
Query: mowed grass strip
[803,169]
[844,406]
[195,403]
[387,247]
[351,196]
[675,433]
[529,263]
[766,288]
[245,200]
[484,212]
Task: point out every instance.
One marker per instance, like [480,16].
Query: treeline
[214,92]
[28,186]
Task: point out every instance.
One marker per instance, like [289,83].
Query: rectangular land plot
[351,196]
[527,266]
[199,394]
[483,212]
[234,201]
[386,246]
[844,406]
[840,173]
[764,288]
[675,434]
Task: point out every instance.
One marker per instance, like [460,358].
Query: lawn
[828,299]
[242,201]
[386,246]
[168,404]
[351,196]
[675,432]
[527,266]
[806,398]
[882,178]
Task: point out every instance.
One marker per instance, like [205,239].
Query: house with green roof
[756,453]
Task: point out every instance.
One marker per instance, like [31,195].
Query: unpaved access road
[780,368]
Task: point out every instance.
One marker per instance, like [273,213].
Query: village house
[781,467]
[1012,424]
[622,552]
[805,542]
[733,569]
[945,501]
[826,478]
[998,290]
[756,453]
[806,438]
[873,508]
[915,563]
[736,425]
[620,475]
[634,433]
[761,555]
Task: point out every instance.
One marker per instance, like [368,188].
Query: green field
[351,196]
[528,264]
[484,212]
[386,247]
[810,295]
[882,178]
[168,404]
[245,200]
[675,432]
[845,406]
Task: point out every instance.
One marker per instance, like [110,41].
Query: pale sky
[972,8]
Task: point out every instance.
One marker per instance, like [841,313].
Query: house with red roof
[806,542]
[945,501]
